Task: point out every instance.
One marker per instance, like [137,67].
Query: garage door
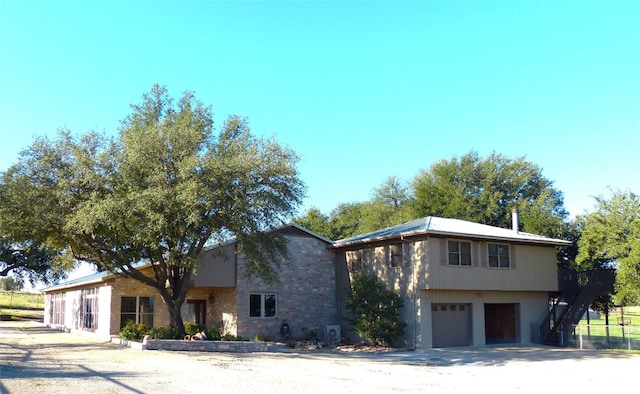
[451,324]
[500,323]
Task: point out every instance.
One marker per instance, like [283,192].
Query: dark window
[459,253]
[136,309]
[395,255]
[498,255]
[262,305]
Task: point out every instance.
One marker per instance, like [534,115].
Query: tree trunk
[174,307]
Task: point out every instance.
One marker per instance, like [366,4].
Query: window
[262,305]
[195,311]
[56,309]
[355,260]
[136,309]
[89,311]
[459,253]
[498,255]
[395,255]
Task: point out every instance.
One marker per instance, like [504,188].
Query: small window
[396,255]
[443,308]
[452,308]
[262,305]
[459,253]
[499,255]
[461,308]
[355,260]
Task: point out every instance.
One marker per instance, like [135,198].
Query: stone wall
[305,290]
[205,346]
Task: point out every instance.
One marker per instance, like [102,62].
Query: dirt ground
[35,359]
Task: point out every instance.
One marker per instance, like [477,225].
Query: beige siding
[533,269]
[216,268]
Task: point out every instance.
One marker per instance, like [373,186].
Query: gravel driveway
[35,359]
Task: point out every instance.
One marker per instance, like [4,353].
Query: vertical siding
[533,268]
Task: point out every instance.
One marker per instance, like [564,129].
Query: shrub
[375,310]
[165,333]
[193,328]
[133,331]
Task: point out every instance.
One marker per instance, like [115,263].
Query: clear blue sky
[360,90]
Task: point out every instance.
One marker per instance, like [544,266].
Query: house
[463,284]
[221,295]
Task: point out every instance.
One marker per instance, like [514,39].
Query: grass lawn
[21,300]
[595,333]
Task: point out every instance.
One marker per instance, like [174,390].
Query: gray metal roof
[449,227]
[85,280]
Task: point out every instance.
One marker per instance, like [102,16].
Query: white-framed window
[136,309]
[56,308]
[459,252]
[263,304]
[89,311]
[499,255]
[396,257]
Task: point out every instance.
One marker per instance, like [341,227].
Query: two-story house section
[463,283]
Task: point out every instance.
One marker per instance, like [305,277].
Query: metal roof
[449,227]
[85,280]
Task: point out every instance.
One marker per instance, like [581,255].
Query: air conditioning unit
[332,333]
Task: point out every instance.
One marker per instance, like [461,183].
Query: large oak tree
[611,237]
[157,194]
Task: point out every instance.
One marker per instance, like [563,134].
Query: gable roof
[452,228]
[101,276]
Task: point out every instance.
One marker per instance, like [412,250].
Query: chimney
[515,222]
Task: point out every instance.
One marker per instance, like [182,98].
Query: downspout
[413,296]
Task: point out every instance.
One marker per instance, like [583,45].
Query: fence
[600,336]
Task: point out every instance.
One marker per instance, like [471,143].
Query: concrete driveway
[36,359]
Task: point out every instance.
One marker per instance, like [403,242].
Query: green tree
[316,221]
[375,310]
[10,283]
[22,251]
[160,192]
[611,237]
[387,207]
[486,190]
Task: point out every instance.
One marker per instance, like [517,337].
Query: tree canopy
[611,237]
[157,194]
[467,188]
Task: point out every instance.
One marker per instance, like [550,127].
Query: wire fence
[600,336]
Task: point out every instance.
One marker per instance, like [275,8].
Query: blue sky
[360,90]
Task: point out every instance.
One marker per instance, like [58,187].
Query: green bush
[375,310]
[193,328]
[133,332]
[165,333]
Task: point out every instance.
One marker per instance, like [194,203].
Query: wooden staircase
[577,290]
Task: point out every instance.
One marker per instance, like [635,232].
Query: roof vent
[515,222]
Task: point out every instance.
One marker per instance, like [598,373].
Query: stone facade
[305,291]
